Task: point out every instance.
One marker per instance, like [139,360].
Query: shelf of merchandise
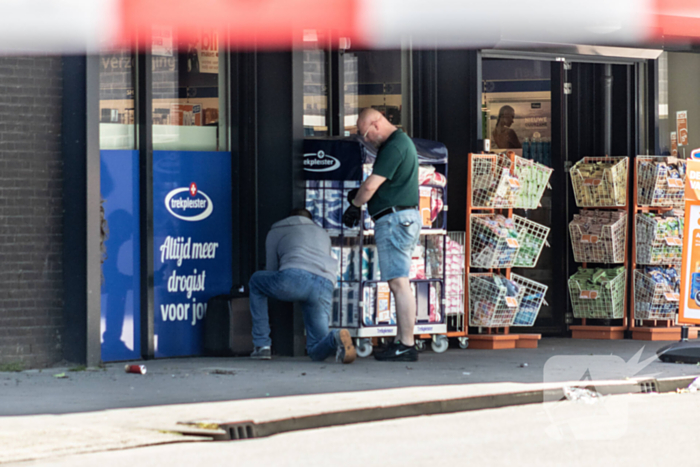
[604,332]
[489,338]
[653,329]
[327,200]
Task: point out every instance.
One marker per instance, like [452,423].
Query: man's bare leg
[405,309]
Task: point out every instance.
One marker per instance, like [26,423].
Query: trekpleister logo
[189,203]
[320,162]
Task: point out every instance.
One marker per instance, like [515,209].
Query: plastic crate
[533,237]
[454,273]
[531,302]
[492,185]
[600,181]
[607,247]
[653,300]
[604,300]
[489,303]
[659,183]
[657,245]
[534,179]
[489,250]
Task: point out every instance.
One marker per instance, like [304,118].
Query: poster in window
[510,123]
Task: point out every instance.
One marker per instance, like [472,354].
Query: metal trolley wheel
[363,348]
[463,342]
[439,343]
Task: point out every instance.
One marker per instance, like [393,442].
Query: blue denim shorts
[397,235]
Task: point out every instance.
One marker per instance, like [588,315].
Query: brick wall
[31,171]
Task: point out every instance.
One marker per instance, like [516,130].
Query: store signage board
[120,292]
[191,245]
[674,144]
[689,307]
[682,127]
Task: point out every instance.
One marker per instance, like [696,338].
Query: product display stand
[609,192]
[493,304]
[363,303]
[653,308]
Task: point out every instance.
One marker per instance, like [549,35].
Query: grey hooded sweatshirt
[297,242]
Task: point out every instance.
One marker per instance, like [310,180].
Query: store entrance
[556,112]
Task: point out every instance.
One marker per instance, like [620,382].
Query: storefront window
[373,79]
[117,100]
[315,84]
[677,86]
[188,100]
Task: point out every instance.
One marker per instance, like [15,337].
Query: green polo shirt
[397,160]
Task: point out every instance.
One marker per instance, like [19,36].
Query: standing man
[299,268]
[391,194]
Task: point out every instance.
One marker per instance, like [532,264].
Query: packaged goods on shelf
[656,293]
[434,314]
[533,237]
[659,238]
[428,176]
[386,309]
[348,264]
[454,273]
[493,300]
[534,179]
[417,270]
[600,181]
[492,184]
[531,301]
[598,293]
[599,236]
[314,200]
[370,263]
[369,297]
[345,305]
[660,181]
[495,241]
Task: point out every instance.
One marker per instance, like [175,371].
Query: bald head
[374,125]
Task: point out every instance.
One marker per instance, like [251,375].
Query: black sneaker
[397,352]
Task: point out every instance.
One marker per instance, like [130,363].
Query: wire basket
[489,302]
[492,185]
[533,237]
[454,273]
[600,181]
[602,300]
[653,300]
[534,179]
[531,302]
[607,246]
[660,181]
[489,249]
[659,240]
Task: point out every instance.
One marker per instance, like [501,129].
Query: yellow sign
[689,306]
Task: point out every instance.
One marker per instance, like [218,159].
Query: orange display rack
[649,329]
[607,332]
[498,337]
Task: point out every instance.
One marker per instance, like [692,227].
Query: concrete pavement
[108,409]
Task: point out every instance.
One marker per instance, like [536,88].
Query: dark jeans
[294,285]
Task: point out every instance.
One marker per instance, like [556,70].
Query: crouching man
[299,268]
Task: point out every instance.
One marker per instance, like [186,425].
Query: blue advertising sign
[191,243]
[120,321]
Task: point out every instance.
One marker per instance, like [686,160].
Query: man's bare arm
[368,188]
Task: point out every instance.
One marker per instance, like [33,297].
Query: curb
[248,429]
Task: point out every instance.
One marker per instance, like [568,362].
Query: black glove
[352,194]
[352,216]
